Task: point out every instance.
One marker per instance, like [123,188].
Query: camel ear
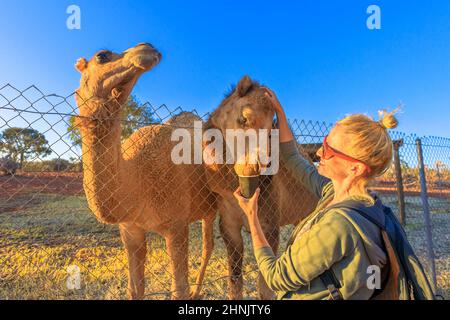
[81,64]
[244,86]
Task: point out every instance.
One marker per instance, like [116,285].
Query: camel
[283,201]
[136,185]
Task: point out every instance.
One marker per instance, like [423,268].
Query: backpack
[404,276]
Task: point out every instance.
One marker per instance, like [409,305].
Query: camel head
[109,75]
[245,107]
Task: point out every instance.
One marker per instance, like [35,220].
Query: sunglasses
[328,153]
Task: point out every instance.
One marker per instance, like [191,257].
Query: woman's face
[335,168]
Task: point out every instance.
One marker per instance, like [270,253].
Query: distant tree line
[21,144]
[134,117]
[26,148]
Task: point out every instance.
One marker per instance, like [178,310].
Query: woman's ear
[358,169]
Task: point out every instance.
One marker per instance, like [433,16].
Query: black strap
[332,284]
[369,217]
[328,278]
[370,213]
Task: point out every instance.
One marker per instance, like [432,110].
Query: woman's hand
[285,132]
[274,100]
[249,206]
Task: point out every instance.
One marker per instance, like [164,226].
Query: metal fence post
[426,212]
[399,181]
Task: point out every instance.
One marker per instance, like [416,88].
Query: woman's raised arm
[301,169]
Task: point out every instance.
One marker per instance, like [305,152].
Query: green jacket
[325,239]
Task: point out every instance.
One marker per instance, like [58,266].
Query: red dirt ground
[45,182]
[389,187]
[18,191]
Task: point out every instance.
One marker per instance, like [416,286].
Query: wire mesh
[47,225]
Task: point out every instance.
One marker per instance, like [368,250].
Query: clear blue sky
[317,55]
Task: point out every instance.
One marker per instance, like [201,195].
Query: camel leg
[231,234]
[177,247]
[270,221]
[272,236]
[207,249]
[136,247]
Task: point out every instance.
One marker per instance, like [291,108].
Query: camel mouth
[148,62]
[145,56]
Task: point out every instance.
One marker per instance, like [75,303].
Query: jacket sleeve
[303,171]
[327,242]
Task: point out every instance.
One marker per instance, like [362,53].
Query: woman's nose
[319,152]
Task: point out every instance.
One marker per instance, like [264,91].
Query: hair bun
[387,119]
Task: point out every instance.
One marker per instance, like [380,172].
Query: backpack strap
[328,278]
[404,278]
[332,284]
[369,213]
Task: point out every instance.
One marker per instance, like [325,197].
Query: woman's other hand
[249,206]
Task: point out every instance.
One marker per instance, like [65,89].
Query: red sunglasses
[328,153]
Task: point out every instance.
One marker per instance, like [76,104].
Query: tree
[133,117]
[23,143]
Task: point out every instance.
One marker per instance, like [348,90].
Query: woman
[356,151]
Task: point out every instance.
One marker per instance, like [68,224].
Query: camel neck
[103,169]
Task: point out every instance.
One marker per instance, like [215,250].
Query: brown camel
[136,185]
[283,201]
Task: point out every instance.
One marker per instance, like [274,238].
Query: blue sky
[318,55]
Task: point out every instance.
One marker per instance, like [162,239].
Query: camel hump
[183,119]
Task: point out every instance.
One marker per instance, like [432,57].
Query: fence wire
[53,247]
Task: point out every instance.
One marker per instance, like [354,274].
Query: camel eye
[242,120]
[102,57]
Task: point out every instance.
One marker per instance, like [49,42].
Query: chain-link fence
[58,169]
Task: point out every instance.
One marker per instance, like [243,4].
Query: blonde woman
[357,150]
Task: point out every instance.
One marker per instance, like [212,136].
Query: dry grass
[415,229]
[39,241]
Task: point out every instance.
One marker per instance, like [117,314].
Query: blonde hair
[370,141]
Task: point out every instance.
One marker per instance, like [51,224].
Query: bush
[8,166]
[54,165]
[60,165]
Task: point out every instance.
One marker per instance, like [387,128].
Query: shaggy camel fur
[136,185]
